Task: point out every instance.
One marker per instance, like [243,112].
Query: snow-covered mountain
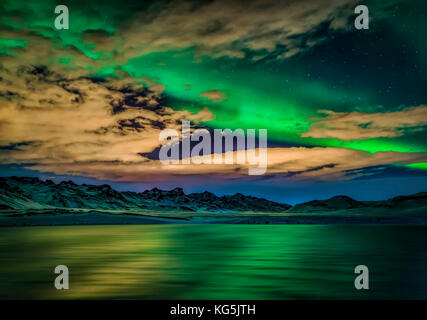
[33,193]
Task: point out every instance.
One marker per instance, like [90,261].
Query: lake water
[214,261]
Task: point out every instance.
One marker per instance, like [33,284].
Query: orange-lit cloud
[359,126]
[57,119]
[292,163]
[74,125]
[224,28]
[214,95]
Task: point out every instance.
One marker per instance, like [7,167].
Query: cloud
[225,28]
[214,95]
[360,126]
[283,163]
[109,34]
[101,128]
[64,120]
[57,118]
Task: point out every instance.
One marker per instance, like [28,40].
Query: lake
[214,261]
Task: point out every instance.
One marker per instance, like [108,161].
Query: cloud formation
[283,163]
[360,126]
[214,95]
[69,118]
[225,28]
[101,128]
[63,120]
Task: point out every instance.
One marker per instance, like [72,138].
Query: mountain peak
[33,193]
[24,192]
[64,183]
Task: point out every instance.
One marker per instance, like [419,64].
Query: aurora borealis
[345,109]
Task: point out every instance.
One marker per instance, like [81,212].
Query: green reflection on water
[213,261]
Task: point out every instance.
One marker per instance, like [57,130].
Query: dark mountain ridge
[332,204]
[33,193]
[336,203]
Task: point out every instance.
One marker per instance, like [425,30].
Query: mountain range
[33,193]
[17,193]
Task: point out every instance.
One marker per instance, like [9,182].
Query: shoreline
[95,217]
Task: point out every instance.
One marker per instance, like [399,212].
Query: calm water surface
[214,261]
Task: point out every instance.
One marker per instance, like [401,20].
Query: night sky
[345,109]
